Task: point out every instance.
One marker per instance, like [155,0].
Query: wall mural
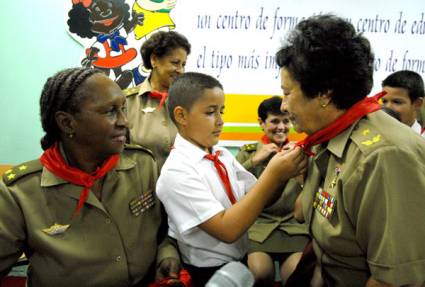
[112,32]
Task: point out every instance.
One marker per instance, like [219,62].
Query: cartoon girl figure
[109,21]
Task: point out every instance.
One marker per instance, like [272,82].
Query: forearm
[375,283]
[230,224]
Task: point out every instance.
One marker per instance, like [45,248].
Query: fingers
[169,267]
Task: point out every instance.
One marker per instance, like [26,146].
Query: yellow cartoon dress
[154,19]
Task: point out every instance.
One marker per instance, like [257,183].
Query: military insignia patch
[142,203]
[56,229]
[334,180]
[148,109]
[372,141]
[324,203]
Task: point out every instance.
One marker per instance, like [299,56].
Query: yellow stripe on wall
[242,108]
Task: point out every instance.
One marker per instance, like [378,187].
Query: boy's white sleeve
[186,198]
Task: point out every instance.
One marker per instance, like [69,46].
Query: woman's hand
[168,268]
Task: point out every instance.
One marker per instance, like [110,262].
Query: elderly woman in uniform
[85,213]
[364,193]
[165,53]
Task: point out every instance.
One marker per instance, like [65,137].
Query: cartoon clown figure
[108,21]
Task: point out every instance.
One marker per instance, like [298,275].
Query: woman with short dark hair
[364,194]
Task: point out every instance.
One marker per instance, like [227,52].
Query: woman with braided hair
[85,213]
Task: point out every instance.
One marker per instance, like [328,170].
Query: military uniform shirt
[109,243]
[149,126]
[364,200]
[279,215]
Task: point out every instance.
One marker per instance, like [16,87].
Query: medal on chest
[142,203]
[324,202]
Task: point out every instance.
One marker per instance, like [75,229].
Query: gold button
[118,258]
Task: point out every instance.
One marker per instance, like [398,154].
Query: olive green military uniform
[109,243]
[364,200]
[149,126]
[276,229]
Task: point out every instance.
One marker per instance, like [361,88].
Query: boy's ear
[65,122]
[418,102]
[180,115]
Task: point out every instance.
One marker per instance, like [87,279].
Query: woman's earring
[70,135]
[323,105]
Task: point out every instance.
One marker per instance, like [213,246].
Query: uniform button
[108,220]
[118,258]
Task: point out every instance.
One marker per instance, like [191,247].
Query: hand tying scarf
[54,162]
[359,110]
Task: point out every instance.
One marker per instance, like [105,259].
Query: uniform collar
[190,150]
[49,179]
[338,143]
[145,87]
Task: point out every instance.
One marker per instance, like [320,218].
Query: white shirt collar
[417,127]
[190,150]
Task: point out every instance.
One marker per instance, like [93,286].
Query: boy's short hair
[270,106]
[409,80]
[189,88]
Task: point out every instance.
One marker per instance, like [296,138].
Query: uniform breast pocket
[142,203]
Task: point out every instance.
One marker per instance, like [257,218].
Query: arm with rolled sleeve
[389,214]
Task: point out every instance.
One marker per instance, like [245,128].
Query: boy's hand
[288,163]
[263,153]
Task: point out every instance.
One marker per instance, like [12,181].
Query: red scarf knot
[161,96]
[52,160]
[222,172]
[357,111]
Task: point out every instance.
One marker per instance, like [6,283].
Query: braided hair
[59,94]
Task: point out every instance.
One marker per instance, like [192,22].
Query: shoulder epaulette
[249,147]
[12,175]
[131,91]
[138,147]
[367,138]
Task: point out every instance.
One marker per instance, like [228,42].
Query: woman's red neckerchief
[359,110]
[161,96]
[52,160]
[266,140]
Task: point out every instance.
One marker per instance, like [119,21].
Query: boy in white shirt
[204,189]
[405,95]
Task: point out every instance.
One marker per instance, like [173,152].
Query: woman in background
[165,53]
